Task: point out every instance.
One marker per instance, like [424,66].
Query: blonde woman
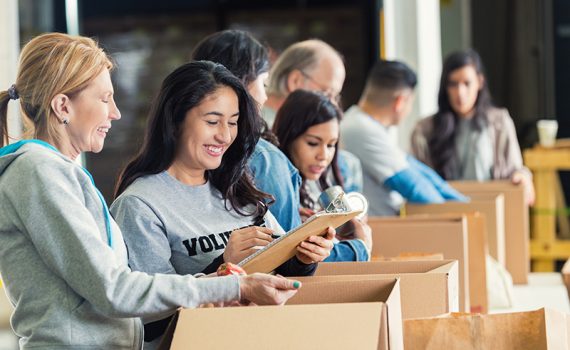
[62,257]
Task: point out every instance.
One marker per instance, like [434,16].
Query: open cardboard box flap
[436,279]
[277,327]
[305,322]
[348,289]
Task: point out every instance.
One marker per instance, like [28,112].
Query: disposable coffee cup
[547,130]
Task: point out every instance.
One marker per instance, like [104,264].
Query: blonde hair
[51,64]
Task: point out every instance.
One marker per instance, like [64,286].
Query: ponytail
[4,99]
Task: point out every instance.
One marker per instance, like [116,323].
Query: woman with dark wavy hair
[186,203]
[272,172]
[307,126]
[469,138]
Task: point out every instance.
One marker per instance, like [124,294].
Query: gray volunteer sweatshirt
[70,289]
[170,227]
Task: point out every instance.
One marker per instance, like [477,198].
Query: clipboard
[283,248]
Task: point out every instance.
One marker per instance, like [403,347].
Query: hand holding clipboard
[285,247]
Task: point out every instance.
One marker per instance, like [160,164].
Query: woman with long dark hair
[272,171]
[469,138]
[307,126]
[185,203]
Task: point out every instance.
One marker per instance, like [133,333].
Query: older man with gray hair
[316,66]
[311,65]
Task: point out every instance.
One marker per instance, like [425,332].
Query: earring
[65,121]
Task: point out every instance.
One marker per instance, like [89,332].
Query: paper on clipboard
[283,248]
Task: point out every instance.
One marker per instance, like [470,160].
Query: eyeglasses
[323,89]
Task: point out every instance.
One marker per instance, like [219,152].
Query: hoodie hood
[11,152]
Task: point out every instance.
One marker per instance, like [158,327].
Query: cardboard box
[516,222]
[477,248]
[492,206]
[279,327]
[427,288]
[478,251]
[325,290]
[448,235]
[417,256]
[538,330]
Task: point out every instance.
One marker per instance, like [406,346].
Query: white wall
[9,51]
[412,35]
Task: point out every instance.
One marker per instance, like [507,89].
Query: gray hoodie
[70,289]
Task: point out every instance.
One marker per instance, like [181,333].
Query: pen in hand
[273,235]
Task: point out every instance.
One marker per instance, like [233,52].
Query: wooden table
[545,247]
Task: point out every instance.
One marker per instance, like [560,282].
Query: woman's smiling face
[208,131]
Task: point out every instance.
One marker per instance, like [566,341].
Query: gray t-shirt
[474,152]
[170,227]
[381,159]
[269,115]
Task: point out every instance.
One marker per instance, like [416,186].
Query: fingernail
[296,284]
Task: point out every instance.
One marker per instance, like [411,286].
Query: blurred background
[525,45]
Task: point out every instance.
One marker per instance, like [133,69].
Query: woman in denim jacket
[307,125]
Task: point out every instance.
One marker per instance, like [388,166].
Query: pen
[273,235]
